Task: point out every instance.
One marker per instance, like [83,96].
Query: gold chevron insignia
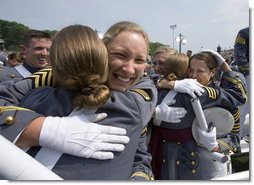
[144,131]
[240,40]
[142,93]
[211,92]
[42,78]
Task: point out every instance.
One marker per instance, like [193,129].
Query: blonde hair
[123,26]
[80,64]
[176,66]
[166,50]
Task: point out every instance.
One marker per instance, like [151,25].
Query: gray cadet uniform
[130,110]
[173,149]
[10,75]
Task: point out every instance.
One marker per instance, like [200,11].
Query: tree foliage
[153,46]
[12,33]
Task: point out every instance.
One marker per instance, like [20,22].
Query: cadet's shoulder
[233,77]
[7,69]
[144,93]
[242,37]
[9,73]
[244,30]
[42,77]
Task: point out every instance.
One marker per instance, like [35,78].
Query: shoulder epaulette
[211,92]
[240,40]
[42,77]
[9,120]
[143,93]
[238,84]
[141,174]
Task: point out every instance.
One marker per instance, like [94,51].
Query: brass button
[237,75]
[163,160]
[12,76]
[192,163]
[178,142]
[193,171]
[192,154]
[163,141]
[9,120]
[177,163]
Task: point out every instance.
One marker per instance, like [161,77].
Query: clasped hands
[167,113]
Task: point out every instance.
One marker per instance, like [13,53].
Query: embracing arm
[146,103]
[142,162]
[30,135]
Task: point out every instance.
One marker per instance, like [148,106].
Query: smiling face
[37,52]
[127,60]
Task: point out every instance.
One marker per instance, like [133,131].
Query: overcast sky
[204,23]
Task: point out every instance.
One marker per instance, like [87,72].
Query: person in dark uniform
[172,145]
[241,54]
[127,45]
[35,47]
[14,59]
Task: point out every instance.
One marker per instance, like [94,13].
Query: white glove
[76,135]
[169,114]
[189,86]
[90,114]
[208,139]
[219,58]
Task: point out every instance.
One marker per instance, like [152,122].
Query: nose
[193,75]
[156,68]
[45,51]
[129,67]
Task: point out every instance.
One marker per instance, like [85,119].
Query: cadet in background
[35,48]
[14,59]
[3,55]
[172,145]
[241,54]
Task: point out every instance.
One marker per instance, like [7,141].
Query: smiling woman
[127,59]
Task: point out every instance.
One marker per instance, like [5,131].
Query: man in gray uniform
[35,47]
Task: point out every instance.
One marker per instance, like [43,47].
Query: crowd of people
[100,109]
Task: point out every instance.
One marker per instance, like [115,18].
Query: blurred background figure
[189,53]
[3,55]
[14,59]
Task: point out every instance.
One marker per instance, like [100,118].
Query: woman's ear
[213,72]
